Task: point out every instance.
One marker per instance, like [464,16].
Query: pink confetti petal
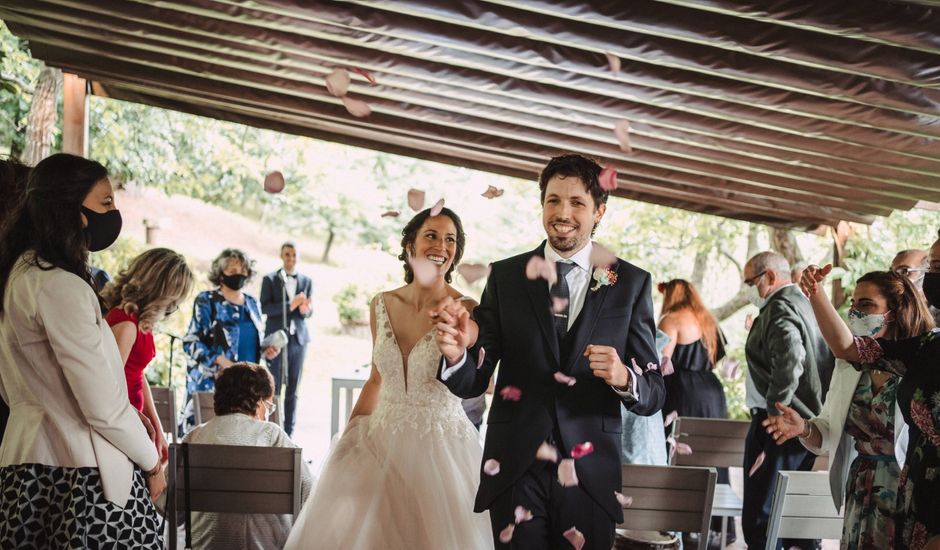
[492,192]
[613,62]
[506,534]
[540,268]
[559,304]
[636,368]
[563,378]
[436,209]
[757,464]
[473,272]
[567,475]
[391,214]
[608,178]
[668,367]
[622,132]
[365,74]
[274,182]
[522,514]
[416,199]
[547,452]
[510,393]
[575,537]
[729,368]
[652,366]
[624,501]
[602,257]
[582,449]
[357,107]
[683,449]
[337,82]
[424,271]
[480,357]
[491,467]
[670,418]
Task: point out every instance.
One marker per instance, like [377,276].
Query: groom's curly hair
[578,166]
[409,234]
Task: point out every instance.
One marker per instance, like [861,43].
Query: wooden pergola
[793,113]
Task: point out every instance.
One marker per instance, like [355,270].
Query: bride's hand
[455,331]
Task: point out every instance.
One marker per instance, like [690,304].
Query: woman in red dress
[142,295]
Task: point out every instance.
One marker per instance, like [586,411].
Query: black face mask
[235,282]
[102,229]
[932,289]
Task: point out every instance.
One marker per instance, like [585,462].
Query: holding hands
[455,330]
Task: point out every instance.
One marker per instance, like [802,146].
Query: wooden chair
[231,479]
[718,443]
[669,498]
[803,509]
[203,406]
[164,400]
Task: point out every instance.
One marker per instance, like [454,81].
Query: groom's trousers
[554,508]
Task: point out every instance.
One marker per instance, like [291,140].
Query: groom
[599,326]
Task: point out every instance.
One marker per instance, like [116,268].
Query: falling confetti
[491,467]
[473,272]
[337,82]
[274,182]
[506,534]
[636,368]
[575,537]
[480,357]
[670,418]
[511,393]
[608,178]
[613,62]
[356,107]
[729,368]
[539,267]
[582,449]
[622,133]
[364,74]
[668,367]
[547,452]
[424,271]
[683,449]
[567,475]
[563,378]
[624,501]
[492,192]
[602,257]
[559,304]
[391,214]
[436,209]
[522,514]
[416,199]
[757,464]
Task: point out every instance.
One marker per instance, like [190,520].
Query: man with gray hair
[785,354]
[911,264]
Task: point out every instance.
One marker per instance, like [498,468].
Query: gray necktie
[560,290]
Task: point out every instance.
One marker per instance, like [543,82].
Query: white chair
[347,390]
[803,509]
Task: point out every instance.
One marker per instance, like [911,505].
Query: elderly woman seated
[244,399]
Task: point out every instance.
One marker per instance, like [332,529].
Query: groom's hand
[606,365]
[452,334]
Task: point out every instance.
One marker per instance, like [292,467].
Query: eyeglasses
[271,406]
[753,280]
[905,271]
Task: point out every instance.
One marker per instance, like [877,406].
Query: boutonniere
[604,277]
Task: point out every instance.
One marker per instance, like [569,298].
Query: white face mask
[753,294]
[865,324]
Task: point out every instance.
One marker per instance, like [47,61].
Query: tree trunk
[329,245]
[41,120]
[784,242]
[739,300]
[699,268]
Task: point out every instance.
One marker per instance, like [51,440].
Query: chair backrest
[803,509]
[668,498]
[714,442]
[203,406]
[232,479]
[164,400]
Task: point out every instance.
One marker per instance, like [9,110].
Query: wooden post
[75,116]
[840,234]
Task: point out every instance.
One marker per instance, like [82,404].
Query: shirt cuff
[446,371]
[632,392]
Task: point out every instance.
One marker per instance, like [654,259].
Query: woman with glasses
[244,401]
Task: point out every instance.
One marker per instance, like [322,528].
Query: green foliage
[18,75]
[352,305]
[873,247]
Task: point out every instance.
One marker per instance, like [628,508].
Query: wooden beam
[75,116]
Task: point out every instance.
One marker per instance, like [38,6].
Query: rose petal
[608,178]
[582,449]
[671,445]
[547,452]
[539,267]
[652,366]
[510,393]
[624,501]
[491,467]
[424,271]
[473,272]
[492,192]
[575,537]
[757,464]
[436,209]
[729,368]
[357,107]
[670,418]
[613,62]
[391,214]
[522,514]
[567,475]
[337,82]
[622,132]
[636,368]
[416,199]
[559,304]
[274,182]
[480,357]
[506,534]
[602,257]
[365,74]
[683,449]
[668,367]
[563,378]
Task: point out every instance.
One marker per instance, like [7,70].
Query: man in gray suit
[785,355]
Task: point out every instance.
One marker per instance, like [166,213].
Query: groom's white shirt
[579,280]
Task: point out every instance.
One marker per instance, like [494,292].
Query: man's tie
[560,291]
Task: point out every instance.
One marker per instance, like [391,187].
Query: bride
[405,471]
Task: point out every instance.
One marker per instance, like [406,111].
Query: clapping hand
[786,426]
[299,300]
[271,352]
[812,276]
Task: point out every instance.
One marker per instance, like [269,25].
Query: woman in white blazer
[77,466]
[860,426]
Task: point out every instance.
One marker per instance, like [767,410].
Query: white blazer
[62,376]
[831,424]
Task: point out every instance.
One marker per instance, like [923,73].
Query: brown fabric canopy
[788,112]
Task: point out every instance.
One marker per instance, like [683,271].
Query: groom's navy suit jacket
[517,331]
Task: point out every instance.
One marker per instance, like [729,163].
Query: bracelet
[808,430]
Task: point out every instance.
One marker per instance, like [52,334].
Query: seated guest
[244,399]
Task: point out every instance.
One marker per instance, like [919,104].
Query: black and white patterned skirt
[54,507]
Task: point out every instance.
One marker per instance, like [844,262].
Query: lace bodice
[421,402]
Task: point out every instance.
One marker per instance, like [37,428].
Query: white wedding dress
[406,476]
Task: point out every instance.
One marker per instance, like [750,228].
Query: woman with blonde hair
[151,288]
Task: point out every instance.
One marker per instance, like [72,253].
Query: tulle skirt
[396,489]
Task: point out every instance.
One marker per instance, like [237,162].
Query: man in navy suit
[299,289]
[600,332]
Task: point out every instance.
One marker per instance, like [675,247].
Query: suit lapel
[587,320]
[541,307]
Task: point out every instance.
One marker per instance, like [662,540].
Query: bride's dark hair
[410,234]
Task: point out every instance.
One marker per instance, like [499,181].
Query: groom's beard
[567,244]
